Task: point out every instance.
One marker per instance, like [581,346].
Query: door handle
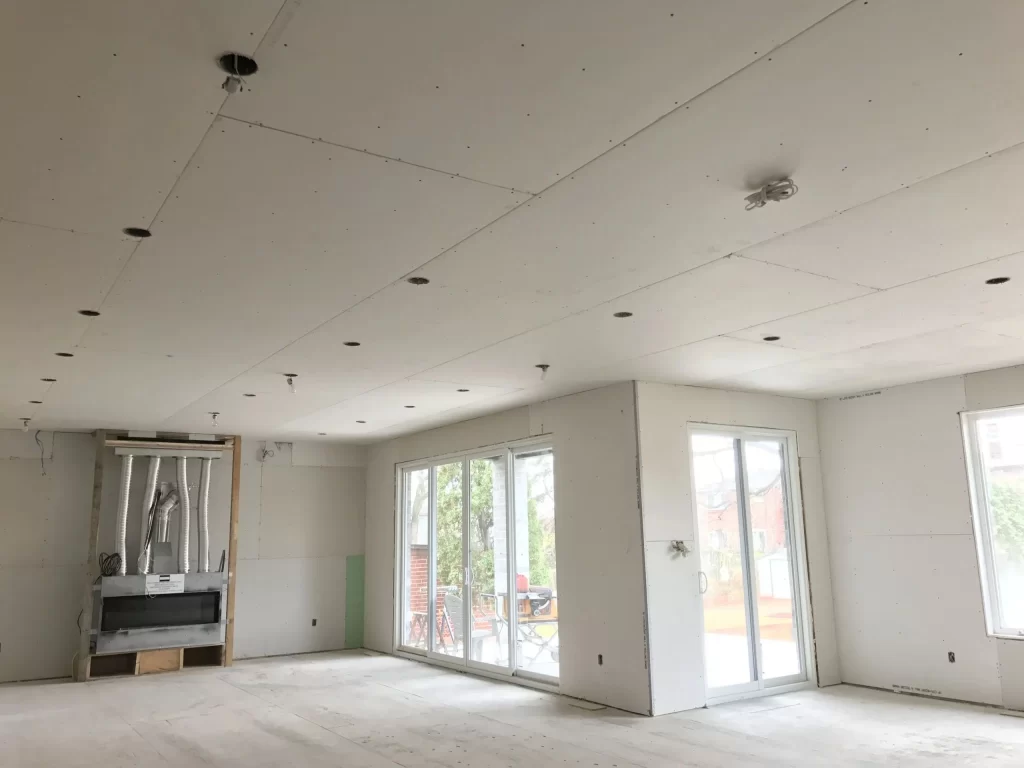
[702,582]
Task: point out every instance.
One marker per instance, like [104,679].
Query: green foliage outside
[1007,502]
[449,527]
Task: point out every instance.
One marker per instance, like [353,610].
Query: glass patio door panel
[448,630]
[728,650]
[771,540]
[489,620]
[536,584]
[416,558]
[749,578]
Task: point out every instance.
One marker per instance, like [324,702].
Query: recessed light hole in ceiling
[238,64]
[997,280]
[417,281]
[64,354]
[462,390]
[322,434]
[410,406]
[352,343]
[89,312]
[249,394]
[36,402]
[48,381]
[771,338]
[359,421]
[623,314]
[137,232]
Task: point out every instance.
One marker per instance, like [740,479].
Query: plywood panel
[164,660]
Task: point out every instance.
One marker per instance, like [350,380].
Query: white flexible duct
[163,512]
[122,513]
[147,508]
[204,515]
[186,516]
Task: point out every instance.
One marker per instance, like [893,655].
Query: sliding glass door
[749,579]
[477,558]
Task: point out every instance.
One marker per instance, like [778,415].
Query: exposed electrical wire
[110,564]
[773,192]
[42,464]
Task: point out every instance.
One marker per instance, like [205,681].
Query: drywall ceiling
[543,165]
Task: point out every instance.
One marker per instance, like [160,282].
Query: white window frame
[981,516]
[799,573]
[510,449]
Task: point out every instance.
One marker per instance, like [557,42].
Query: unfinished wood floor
[363,711]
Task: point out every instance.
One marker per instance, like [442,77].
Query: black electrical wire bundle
[110,564]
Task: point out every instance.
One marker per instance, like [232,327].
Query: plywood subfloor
[368,711]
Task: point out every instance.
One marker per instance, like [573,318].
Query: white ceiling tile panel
[387,406]
[46,276]
[517,94]
[958,218]
[706,360]
[106,100]
[948,300]
[269,235]
[900,361]
[710,300]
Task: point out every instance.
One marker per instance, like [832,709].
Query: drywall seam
[643,545]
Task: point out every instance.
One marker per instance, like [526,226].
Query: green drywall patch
[354,577]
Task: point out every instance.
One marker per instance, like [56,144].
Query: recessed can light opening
[410,406]
[137,232]
[48,381]
[623,314]
[238,64]
[997,280]
[249,394]
[89,312]
[36,402]
[322,434]
[353,343]
[417,281]
[771,338]
[462,390]
[64,354]
[290,375]
[360,421]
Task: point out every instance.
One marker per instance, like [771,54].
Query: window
[995,456]
[477,553]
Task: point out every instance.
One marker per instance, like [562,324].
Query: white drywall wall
[301,515]
[598,539]
[906,580]
[676,618]
[44,532]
